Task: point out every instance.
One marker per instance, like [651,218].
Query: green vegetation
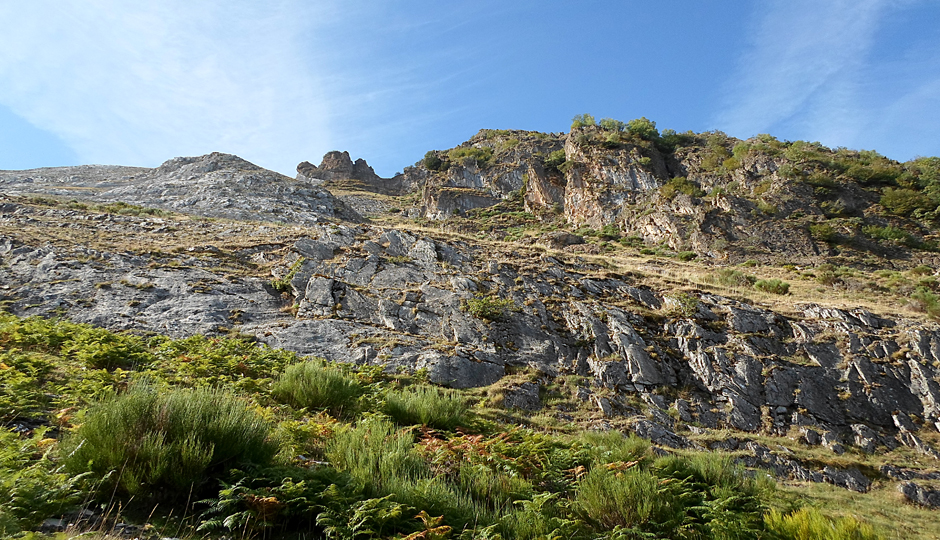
[582,120]
[680,184]
[729,277]
[471,155]
[824,232]
[315,385]
[427,406]
[433,161]
[225,422]
[927,301]
[491,308]
[773,286]
[643,128]
[283,285]
[146,441]
[555,160]
[809,524]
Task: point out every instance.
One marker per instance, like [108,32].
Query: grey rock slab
[920,495]
[459,372]
[659,434]
[524,396]
[314,249]
[851,479]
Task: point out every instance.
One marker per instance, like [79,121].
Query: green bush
[612,125]
[892,234]
[491,308]
[686,255]
[809,524]
[634,499]
[729,277]
[150,441]
[669,141]
[427,405]
[470,155]
[433,162]
[926,301]
[383,461]
[613,446]
[773,286]
[824,232]
[313,385]
[680,184]
[682,305]
[905,202]
[582,120]
[643,128]
[555,160]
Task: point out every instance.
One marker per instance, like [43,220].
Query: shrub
[824,232]
[376,454]
[730,277]
[686,255]
[433,162]
[905,202]
[766,208]
[383,460]
[283,285]
[470,155]
[669,141]
[491,308]
[428,406]
[680,184]
[582,120]
[809,524]
[682,305]
[773,286]
[612,125]
[173,440]
[891,234]
[313,385]
[633,499]
[926,301]
[613,447]
[643,128]
[555,160]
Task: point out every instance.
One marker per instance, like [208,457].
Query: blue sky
[283,81]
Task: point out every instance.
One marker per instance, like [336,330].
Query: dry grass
[883,507]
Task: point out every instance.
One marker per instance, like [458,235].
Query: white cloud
[826,71]
[803,68]
[138,83]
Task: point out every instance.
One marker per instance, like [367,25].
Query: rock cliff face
[338,167]
[723,198]
[293,267]
[470,314]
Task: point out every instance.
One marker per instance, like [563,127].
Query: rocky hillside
[722,198]
[214,185]
[582,278]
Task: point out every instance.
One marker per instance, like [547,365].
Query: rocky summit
[776,300]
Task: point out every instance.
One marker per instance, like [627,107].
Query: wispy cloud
[802,66]
[819,71]
[138,83]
